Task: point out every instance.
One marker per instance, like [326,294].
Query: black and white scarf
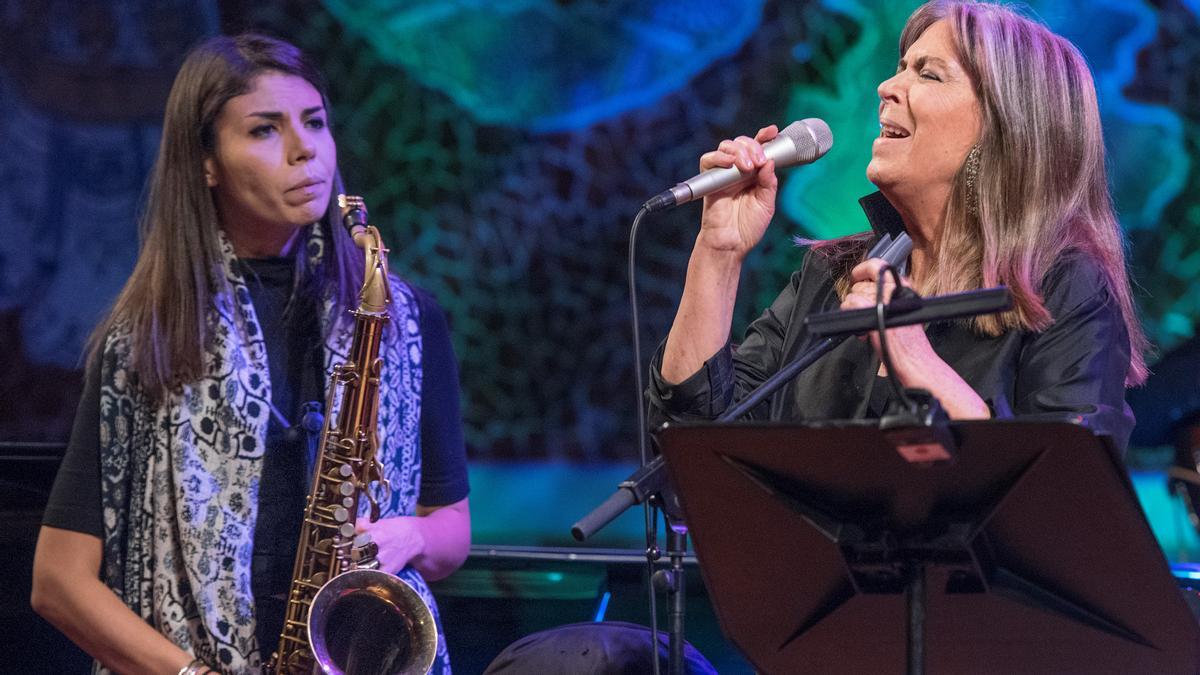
[180,478]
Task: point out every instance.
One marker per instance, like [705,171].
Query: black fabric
[1073,370]
[884,217]
[295,360]
[292,336]
[74,501]
[443,449]
[606,648]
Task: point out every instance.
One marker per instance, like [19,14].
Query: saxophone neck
[376,293]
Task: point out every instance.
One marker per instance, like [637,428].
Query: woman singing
[990,156]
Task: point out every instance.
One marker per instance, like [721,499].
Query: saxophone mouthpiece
[354,214]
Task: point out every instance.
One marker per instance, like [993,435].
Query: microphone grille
[812,138]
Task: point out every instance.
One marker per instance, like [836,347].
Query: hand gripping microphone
[800,142]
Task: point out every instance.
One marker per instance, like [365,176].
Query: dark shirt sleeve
[443,451]
[1077,366]
[74,502]
[730,373]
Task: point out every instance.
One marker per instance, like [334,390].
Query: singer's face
[929,119]
[272,170]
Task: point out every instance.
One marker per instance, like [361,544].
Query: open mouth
[888,130]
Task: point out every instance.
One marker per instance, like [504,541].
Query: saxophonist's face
[272,170]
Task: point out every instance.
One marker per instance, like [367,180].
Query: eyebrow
[273,115]
[924,60]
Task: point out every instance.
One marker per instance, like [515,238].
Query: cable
[873,371]
[650,513]
[881,323]
[637,340]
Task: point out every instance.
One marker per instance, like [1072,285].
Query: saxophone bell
[369,622]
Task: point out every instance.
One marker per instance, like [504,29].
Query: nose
[891,89]
[300,146]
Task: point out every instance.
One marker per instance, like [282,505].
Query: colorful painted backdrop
[504,146]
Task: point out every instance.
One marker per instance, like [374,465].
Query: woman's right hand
[735,219]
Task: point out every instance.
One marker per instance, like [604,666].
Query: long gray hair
[1041,187]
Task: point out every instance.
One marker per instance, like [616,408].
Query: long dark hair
[166,302]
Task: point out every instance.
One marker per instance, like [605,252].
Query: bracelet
[196,667]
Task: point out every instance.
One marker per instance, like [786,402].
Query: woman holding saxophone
[169,541]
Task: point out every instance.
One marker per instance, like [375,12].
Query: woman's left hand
[400,539]
[917,365]
[908,346]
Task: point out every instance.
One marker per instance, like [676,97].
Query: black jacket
[1073,370]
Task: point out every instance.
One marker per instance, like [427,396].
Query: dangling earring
[972,170]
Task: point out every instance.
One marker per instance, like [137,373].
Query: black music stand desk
[1035,553]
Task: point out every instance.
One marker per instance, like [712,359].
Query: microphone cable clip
[915,424]
[918,429]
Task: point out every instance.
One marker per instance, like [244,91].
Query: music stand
[1034,553]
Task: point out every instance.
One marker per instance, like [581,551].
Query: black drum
[1187,575]
[1184,474]
[1167,409]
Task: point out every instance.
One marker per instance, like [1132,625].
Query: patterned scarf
[180,478]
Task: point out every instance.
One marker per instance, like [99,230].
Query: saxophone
[344,615]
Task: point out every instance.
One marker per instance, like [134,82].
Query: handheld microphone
[802,142]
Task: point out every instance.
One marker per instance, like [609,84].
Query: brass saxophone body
[344,616]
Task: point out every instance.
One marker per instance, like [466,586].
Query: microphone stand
[672,581]
[648,484]
[650,480]
[917,427]
[833,327]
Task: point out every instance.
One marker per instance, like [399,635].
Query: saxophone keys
[364,552]
[298,661]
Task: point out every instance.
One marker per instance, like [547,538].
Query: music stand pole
[672,581]
[677,548]
[916,618]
